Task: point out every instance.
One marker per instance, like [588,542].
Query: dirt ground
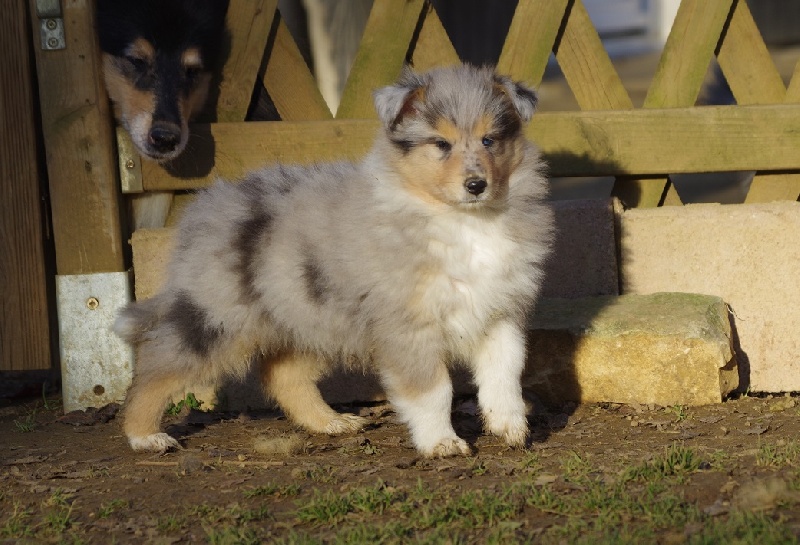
[599,473]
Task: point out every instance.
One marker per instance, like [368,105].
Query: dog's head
[157,61]
[456,133]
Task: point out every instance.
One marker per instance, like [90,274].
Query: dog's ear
[395,101]
[523,97]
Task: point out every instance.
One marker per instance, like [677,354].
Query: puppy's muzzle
[475,186]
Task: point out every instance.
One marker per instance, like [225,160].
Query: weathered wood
[746,62]
[754,79]
[689,49]
[433,47]
[586,65]
[290,83]
[769,187]
[793,91]
[612,142]
[531,38]
[249,23]
[380,56]
[24,326]
[677,83]
[79,143]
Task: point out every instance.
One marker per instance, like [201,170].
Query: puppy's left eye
[442,144]
[487,142]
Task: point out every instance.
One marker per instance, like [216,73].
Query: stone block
[666,349]
[584,258]
[747,254]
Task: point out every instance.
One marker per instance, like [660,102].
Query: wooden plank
[433,47]
[769,187]
[746,62]
[24,326]
[249,23]
[793,92]
[591,76]
[531,38]
[754,79]
[613,142]
[687,53]
[677,82]
[380,56]
[290,83]
[79,143]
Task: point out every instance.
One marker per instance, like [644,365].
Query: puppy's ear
[395,101]
[523,97]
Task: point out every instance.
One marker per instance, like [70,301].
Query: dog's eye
[443,145]
[139,65]
[487,142]
[192,72]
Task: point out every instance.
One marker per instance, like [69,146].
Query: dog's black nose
[165,137]
[476,186]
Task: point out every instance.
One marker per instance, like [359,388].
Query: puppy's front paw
[512,428]
[156,442]
[345,423]
[447,447]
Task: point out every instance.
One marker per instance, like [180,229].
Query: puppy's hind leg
[291,380]
[497,367]
[144,406]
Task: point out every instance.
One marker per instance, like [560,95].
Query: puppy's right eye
[442,144]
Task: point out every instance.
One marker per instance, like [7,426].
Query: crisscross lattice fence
[640,146]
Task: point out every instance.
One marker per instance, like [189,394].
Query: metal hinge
[51,24]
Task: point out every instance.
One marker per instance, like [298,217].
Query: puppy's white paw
[447,447]
[156,442]
[345,423]
[512,428]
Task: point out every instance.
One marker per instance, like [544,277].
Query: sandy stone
[747,254]
[666,349]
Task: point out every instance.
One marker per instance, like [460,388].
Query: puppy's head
[456,133]
[157,63]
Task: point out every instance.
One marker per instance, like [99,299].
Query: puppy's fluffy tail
[137,319]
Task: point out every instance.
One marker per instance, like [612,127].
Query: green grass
[107,509]
[190,402]
[26,424]
[778,455]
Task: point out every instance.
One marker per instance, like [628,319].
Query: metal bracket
[51,24]
[130,163]
[96,365]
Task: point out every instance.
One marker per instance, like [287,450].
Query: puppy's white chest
[468,286]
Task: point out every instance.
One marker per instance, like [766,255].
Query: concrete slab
[747,254]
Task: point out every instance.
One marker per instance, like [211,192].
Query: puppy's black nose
[476,186]
[164,137]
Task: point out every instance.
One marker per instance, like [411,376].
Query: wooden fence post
[24,324]
[81,164]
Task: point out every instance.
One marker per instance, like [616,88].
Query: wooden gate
[640,147]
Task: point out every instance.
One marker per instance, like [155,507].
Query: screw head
[51,24]
[92,303]
[130,164]
[52,42]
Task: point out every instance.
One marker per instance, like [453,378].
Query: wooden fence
[641,147]
[668,135]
